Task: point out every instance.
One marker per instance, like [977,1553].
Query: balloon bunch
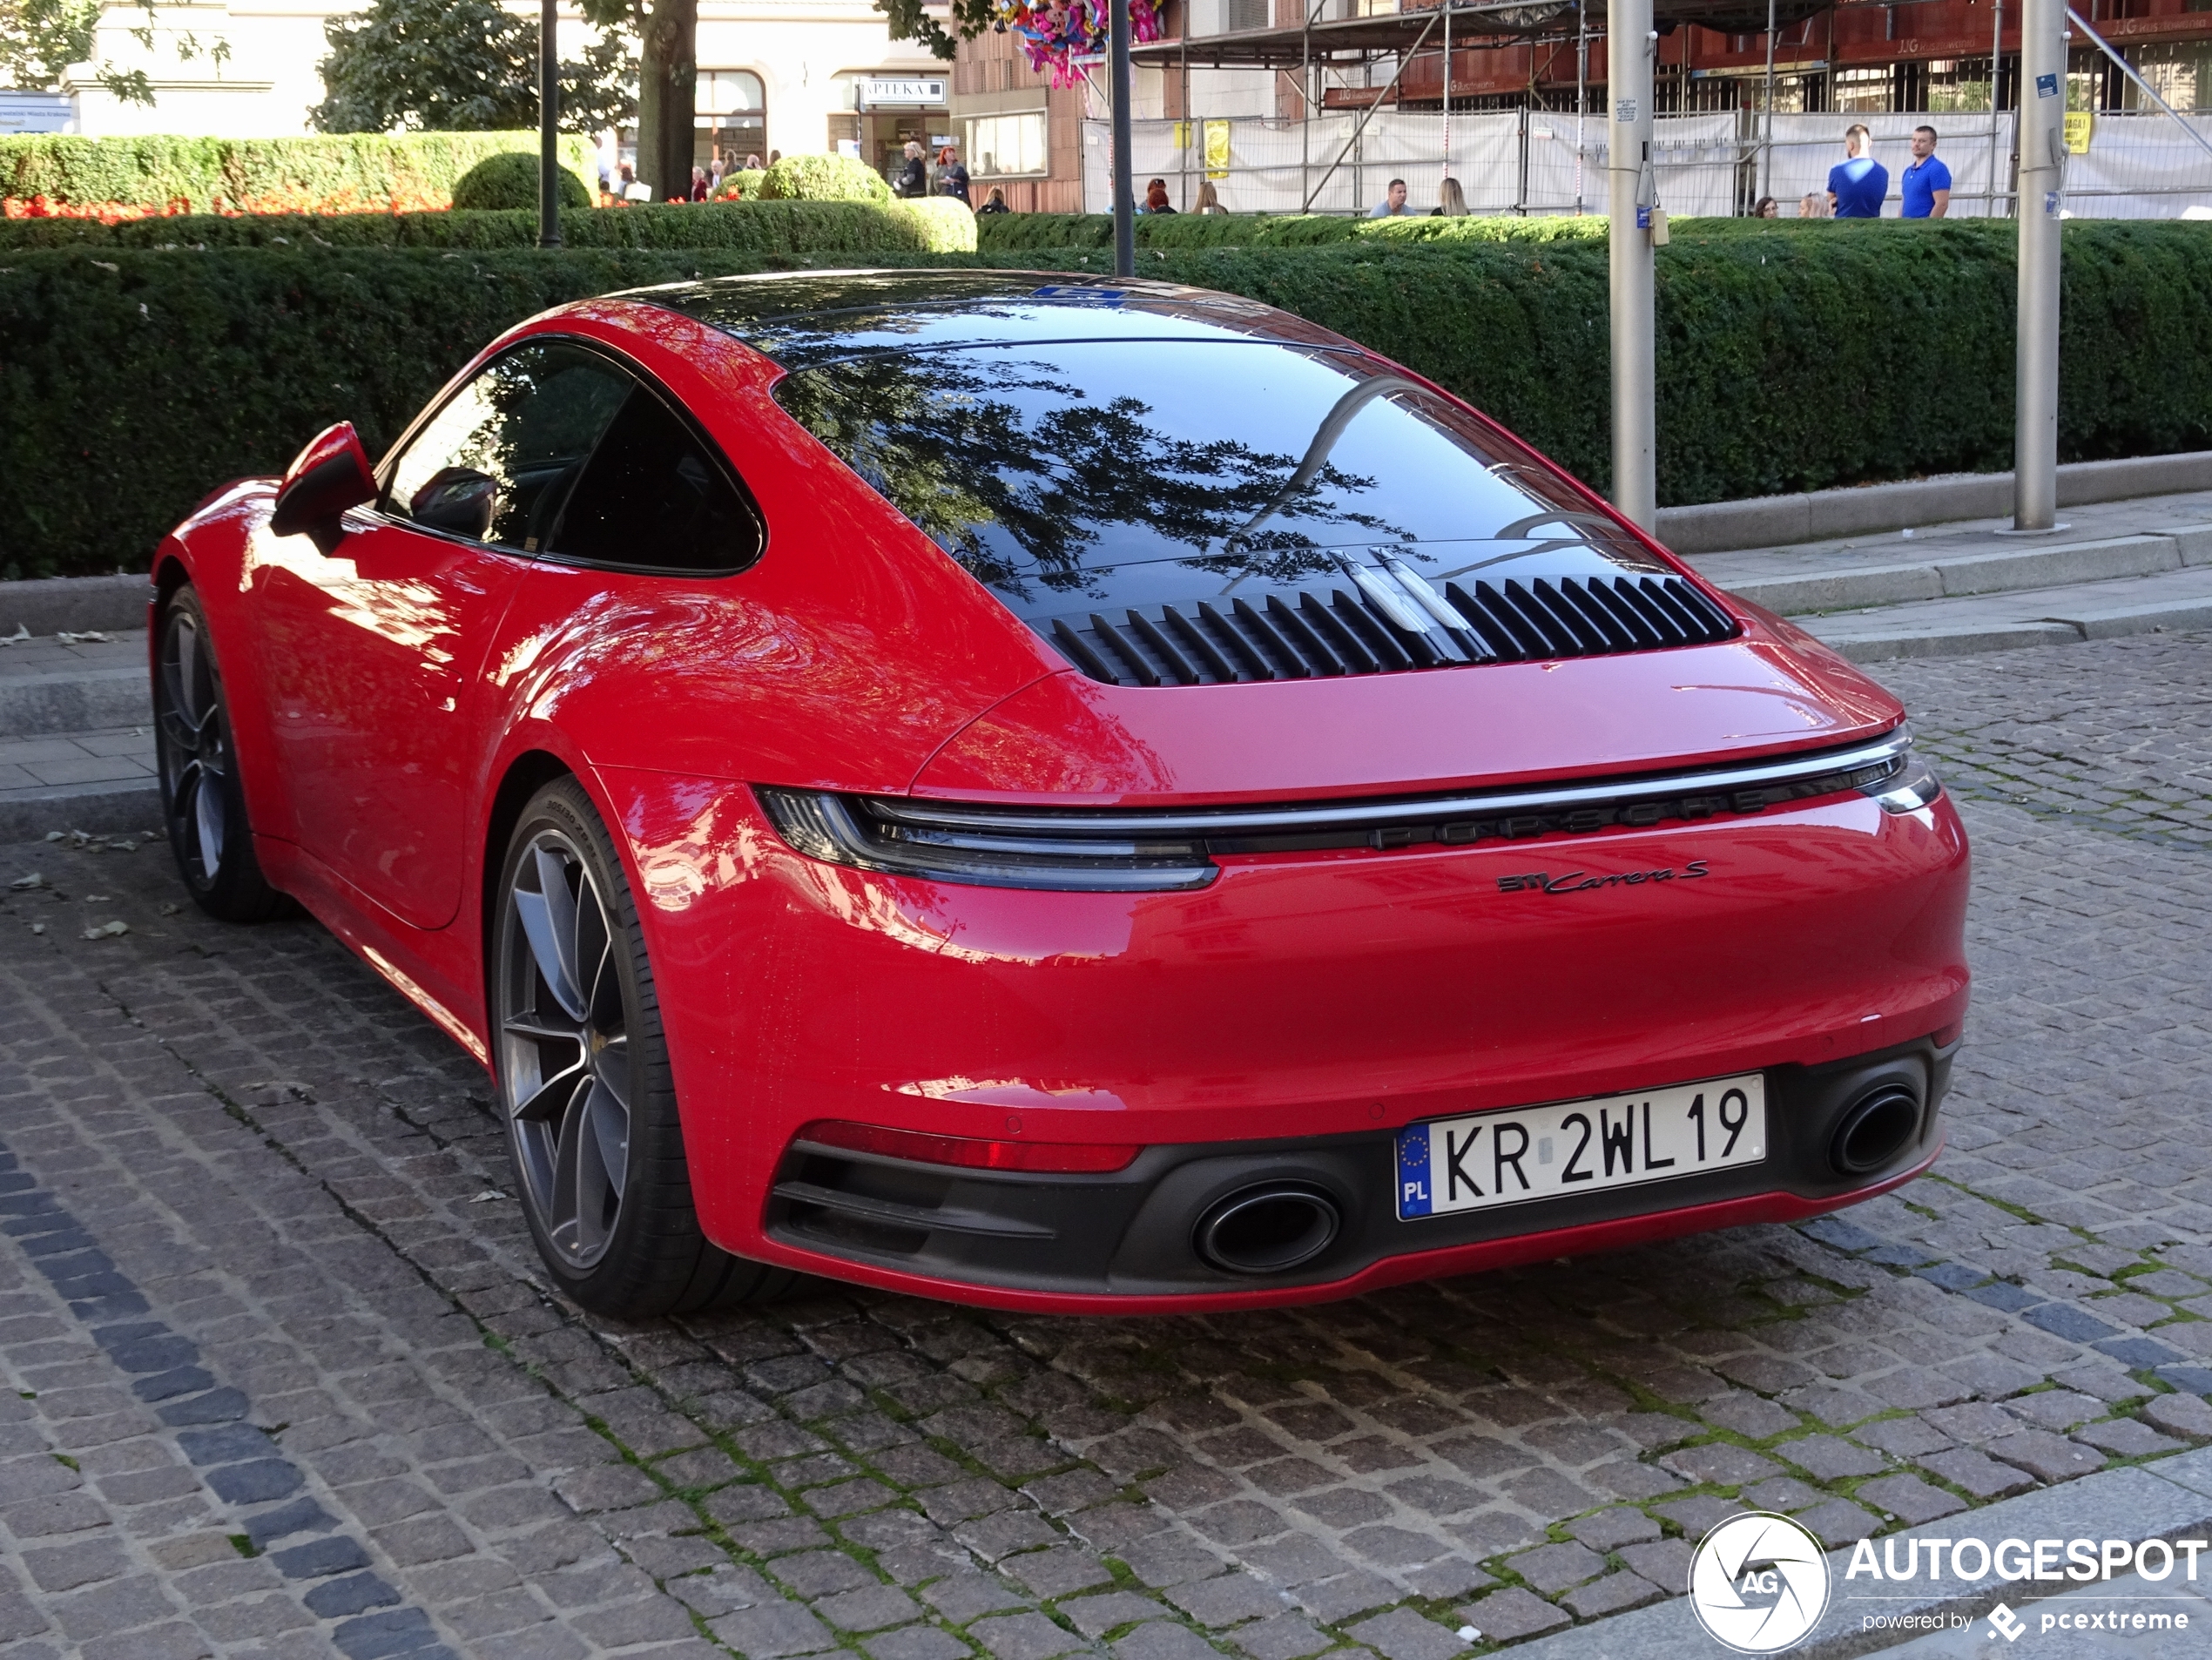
[1054,33]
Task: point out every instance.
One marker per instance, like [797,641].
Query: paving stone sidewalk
[299,1182]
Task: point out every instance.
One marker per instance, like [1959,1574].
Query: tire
[203,805]
[584,1083]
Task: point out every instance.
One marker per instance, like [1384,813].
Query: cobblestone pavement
[285,1380]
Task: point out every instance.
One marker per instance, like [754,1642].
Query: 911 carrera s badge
[1581,881]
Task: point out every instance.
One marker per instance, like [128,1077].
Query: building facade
[801,76]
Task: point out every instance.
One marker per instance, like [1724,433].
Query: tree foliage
[909,21]
[40,39]
[459,66]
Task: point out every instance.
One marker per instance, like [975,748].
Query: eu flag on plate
[1413,1171]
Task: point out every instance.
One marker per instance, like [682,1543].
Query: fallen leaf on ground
[37,928]
[487,1196]
[99,898]
[32,881]
[93,634]
[21,634]
[107,930]
[169,910]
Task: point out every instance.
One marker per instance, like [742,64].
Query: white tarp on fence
[1504,163]
[2137,166]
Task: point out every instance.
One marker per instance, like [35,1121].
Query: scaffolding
[1350,129]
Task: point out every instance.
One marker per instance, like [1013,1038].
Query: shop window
[999,144]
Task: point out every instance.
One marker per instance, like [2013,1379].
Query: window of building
[999,144]
[731,110]
[1863,91]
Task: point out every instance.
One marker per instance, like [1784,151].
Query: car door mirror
[457,500]
[329,475]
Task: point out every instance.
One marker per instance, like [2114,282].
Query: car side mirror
[329,475]
[457,500]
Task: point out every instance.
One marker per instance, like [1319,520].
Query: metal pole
[1124,198]
[2036,421]
[1447,97]
[1629,41]
[1766,159]
[549,125]
[1996,80]
[1581,94]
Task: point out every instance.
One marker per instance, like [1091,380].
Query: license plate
[1530,1153]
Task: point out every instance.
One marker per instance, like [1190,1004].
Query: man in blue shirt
[1855,187]
[1926,184]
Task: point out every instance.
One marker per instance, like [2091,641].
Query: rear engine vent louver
[1305,636]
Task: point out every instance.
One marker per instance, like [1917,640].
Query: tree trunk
[667,86]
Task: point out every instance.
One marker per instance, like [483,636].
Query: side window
[655,498]
[498,461]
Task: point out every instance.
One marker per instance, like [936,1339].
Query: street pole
[1629,40]
[2042,123]
[1124,201]
[548,124]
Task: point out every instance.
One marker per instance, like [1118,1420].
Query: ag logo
[1759,1583]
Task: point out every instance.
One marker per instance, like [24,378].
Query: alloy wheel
[194,756]
[564,1029]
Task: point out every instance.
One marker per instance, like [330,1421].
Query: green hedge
[1007,232]
[747,227]
[824,178]
[511,180]
[1788,359]
[327,173]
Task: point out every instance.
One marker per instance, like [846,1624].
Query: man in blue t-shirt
[1856,187]
[1926,184]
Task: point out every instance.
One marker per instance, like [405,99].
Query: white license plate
[1493,1159]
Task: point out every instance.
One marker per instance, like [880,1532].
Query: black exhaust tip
[1875,1129]
[1267,1230]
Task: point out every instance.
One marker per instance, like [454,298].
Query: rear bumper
[1128,1238]
[1282,1021]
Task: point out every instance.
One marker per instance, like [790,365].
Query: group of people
[618,179]
[1450,201]
[1858,184]
[916,177]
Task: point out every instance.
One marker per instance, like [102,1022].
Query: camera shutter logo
[1759,1583]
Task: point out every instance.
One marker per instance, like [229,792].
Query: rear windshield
[1055,472]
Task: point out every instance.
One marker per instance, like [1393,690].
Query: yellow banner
[1216,149]
[2080,123]
[1183,135]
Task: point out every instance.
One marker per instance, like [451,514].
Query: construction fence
[2121,165]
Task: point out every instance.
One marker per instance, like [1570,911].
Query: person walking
[1393,204]
[1926,184]
[952,176]
[1857,183]
[912,180]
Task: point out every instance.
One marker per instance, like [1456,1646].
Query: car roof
[804,319]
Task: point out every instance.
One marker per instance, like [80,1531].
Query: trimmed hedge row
[135,381]
[934,226]
[329,173]
[1004,233]
[1787,360]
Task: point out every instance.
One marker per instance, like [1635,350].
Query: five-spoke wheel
[583,1078]
[564,1033]
[201,799]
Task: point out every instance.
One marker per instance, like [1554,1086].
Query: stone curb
[49,604]
[2164,1500]
[1777,521]
[100,809]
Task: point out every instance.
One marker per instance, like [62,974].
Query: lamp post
[1124,201]
[549,123]
[2042,129]
[1629,200]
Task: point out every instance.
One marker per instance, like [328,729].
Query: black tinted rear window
[1065,472]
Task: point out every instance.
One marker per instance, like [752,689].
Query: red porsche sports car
[1058,793]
